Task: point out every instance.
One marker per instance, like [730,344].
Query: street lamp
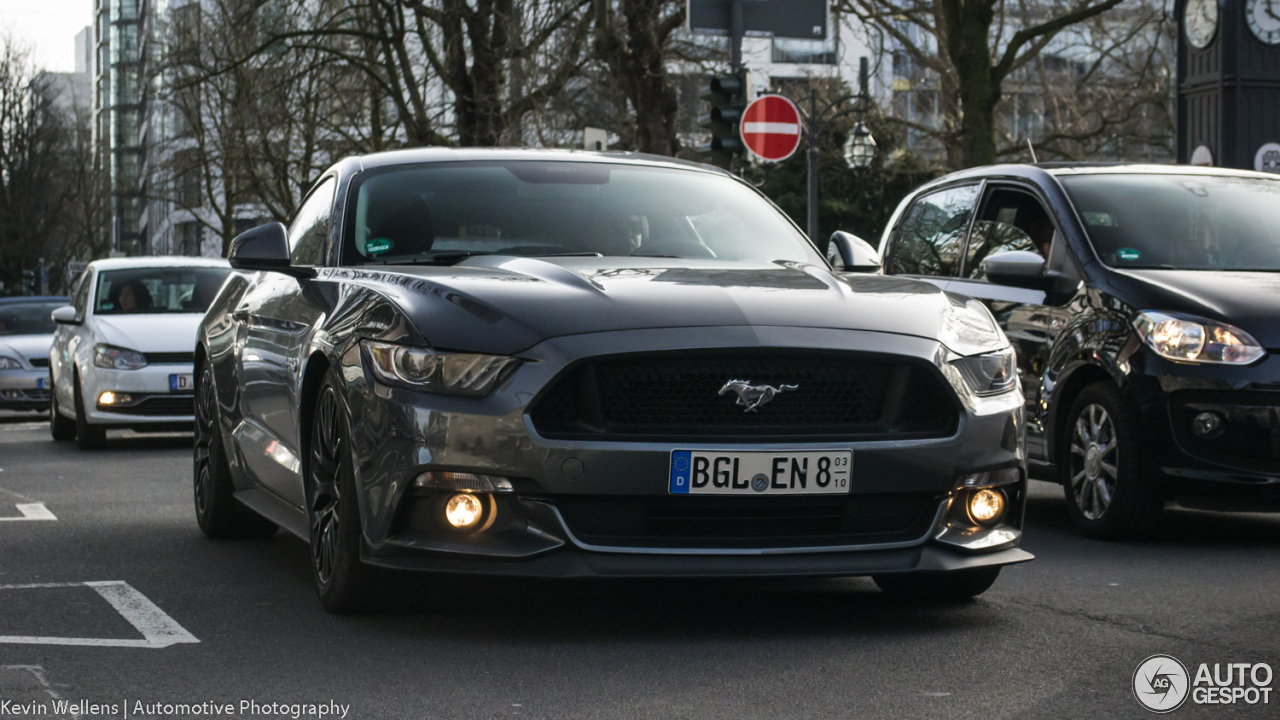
[858,151]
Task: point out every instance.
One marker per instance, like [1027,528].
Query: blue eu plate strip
[680,464]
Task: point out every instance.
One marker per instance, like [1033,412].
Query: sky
[48,28]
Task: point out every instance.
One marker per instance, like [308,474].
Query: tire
[88,437]
[941,588]
[219,515]
[343,583]
[61,428]
[1110,495]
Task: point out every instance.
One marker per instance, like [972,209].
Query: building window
[808,52]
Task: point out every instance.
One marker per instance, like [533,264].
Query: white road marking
[158,629]
[31,511]
[37,672]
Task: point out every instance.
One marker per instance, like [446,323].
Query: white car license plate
[181,383]
[812,472]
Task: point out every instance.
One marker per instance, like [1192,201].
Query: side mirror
[1019,268]
[65,315]
[850,253]
[265,247]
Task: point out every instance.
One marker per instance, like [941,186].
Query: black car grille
[159,405]
[187,358]
[40,362]
[36,393]
[675,396]
[747,522]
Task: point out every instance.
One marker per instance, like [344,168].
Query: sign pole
[736,29]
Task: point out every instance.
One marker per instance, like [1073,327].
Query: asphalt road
[174,618]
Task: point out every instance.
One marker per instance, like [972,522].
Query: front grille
[40,362]
[1250,438]
[675,396]
[187,358]
[747,522]
[159,405]
[36,393]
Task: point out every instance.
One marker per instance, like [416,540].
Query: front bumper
[24,389]
[580,507]
[152,400]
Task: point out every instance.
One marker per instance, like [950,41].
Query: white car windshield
[444,212]
[157,290]
[28,318]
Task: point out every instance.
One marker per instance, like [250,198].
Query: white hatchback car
[123,353]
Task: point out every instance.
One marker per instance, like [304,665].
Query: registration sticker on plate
[180,383]
[812,472]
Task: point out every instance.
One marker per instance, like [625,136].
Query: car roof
[443,154]
[128,263]
[1040,171]
[15,299]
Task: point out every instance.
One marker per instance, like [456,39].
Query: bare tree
[973,46]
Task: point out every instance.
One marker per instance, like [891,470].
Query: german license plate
[181,383]
[812,472]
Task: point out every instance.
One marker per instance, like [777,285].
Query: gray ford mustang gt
[565,364]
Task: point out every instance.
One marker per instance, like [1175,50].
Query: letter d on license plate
[812,472]
[180,383]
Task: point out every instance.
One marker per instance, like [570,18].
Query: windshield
[28,318]
[140,291]
[1180,222]
[445,212]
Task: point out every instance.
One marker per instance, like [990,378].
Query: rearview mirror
[65,315]
[1018,268]
[849,253]
[265,247]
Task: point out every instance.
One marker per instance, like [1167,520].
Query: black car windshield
[139,291]
[445,212]
[1182,222]
[28,318]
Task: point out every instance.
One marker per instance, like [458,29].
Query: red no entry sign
[771,128]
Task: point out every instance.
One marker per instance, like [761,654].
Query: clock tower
[1229,83]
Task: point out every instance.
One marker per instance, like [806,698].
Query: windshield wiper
[569,254]
[440,259]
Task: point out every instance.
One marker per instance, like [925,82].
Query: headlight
[990,373]
[421,368]
[1186,338]
[8,363]
[114,358]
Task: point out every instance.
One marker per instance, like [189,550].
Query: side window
[1010,220]
[309,230]
[80,295]
[931,236]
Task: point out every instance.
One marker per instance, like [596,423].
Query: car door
[1014,218]
[929,239]
[276,318]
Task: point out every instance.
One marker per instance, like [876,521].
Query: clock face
[1200,20]
[1263,17]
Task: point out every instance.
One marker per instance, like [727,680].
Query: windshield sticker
[377,246]
[1128,254]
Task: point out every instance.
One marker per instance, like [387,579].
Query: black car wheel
[62,429]
[88,437]
[939,587]
[342,581]
[218,514]
[1108,495]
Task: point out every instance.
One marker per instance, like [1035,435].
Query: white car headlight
[115,358]
[8,363]
[1186,338]
[421,368]
[990,373]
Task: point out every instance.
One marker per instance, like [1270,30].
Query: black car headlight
[1187,338]
[421,368]
[990,373]
[115,358]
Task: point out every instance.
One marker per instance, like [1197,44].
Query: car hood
[28,346]
[1248,300]
[504,305]
[148,333]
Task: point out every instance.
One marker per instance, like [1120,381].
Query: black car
[1144,305]
[571,364]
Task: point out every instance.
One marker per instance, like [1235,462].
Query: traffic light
[727,95]
[29,283]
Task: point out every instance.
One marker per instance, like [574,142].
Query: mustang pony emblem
[753,396]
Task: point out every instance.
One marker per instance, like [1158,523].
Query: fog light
[1207,425]
[111,398]
[463,511]
[986,506]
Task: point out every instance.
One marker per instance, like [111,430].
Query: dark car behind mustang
[537,363]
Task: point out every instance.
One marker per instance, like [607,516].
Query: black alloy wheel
[1109,496]
[88,437]
[62,429]
[342,581]
[218,513]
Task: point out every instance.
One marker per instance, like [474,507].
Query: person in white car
[122,355]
